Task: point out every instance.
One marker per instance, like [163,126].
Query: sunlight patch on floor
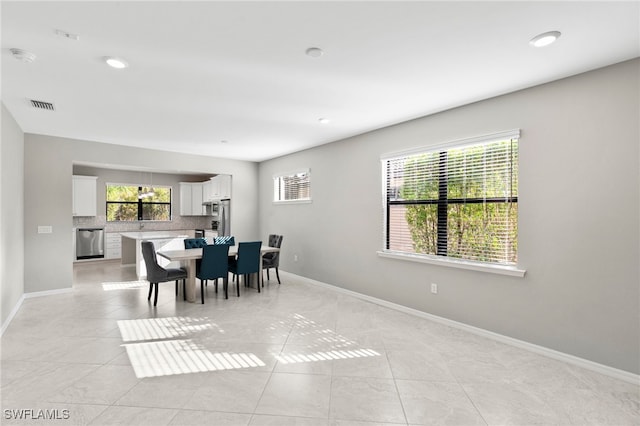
[162,328]
[170,357]
[124,285]
[297,357]
[340,347]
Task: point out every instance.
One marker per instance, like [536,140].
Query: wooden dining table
[188,258]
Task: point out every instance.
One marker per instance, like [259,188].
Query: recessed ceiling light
[22,55]
[544,39]
[115,62]
[324,120]
[224,141]
[314,52]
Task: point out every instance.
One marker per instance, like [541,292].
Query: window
[292,187]
[459,200]
[133,202]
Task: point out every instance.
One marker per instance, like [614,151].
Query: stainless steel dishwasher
[89,243]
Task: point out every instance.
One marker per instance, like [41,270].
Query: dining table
[188,258]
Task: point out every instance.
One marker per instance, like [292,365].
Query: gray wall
[11,215]
[48,169]
[578,223]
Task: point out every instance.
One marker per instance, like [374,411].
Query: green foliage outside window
[476,190]
[132,203]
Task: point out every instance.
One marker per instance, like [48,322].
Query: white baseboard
[24,296]
[12,314]
[47,293]
[541,350]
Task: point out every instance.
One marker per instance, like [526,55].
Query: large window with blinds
[457,200]
[292,187]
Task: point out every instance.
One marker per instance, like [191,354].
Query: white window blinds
[458,200]
[294,186]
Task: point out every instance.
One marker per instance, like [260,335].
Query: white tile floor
[294,354]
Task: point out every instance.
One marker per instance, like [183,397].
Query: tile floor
[296,354]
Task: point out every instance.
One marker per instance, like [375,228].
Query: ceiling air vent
[42,105]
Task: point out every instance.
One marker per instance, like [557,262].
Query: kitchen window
[135,203]
[292,187]
[455,201]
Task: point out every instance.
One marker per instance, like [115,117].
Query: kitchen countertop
[153,235]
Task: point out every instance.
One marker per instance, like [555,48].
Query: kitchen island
[162,240]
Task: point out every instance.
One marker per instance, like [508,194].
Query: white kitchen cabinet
[113,242]
[185,199]
[84,195]
[193,194]
[220,187]
[207,194]
[196,200]
[191,199]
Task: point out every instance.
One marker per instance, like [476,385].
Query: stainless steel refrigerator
[224,218]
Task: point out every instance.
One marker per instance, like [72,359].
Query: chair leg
[268,278]
[177,287]
[155,299]
[184,289]
[225,284]
[150,291]
[238,286]
[258,281]
[216,285]
[202,291]
[277,275]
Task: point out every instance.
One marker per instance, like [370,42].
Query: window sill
[453,263]
[306,201]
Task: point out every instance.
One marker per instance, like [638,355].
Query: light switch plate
[45,229]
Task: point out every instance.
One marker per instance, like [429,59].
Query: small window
[133,203]
[459,200]
[292,187]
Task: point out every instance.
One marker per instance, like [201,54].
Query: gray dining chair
[272,260]
[157,274]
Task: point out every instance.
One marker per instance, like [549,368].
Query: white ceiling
[203,72]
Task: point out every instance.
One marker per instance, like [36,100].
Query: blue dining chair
[191,243]
[247,263]
[228,240]
[215,264]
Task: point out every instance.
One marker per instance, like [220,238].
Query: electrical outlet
[434,288]
[295,257]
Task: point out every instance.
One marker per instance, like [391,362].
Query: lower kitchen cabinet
[113,242]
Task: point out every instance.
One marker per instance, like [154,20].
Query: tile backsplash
[177,223]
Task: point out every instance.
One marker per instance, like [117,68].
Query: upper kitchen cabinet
[191,199]
[84,195]
[218,188]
